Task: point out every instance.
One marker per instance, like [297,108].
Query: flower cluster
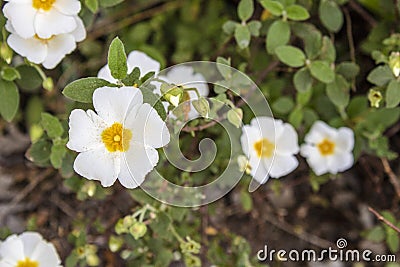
[44,31]
[28,250]
[270,146]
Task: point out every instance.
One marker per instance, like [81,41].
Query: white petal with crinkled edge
[80,32]
[345,139]
[52,23]
[142,61]
[30,241]
[148,127]
[258,170]
[33,49]
[249,136]
[315,160]
[22,17]
[99,164]
[319,131]
[58,47]
[269,127]
[85,130]
[287,141]
[12,250]
[112,103]
[46,255]
[68,7]
[340,162]
[136,163]
[283,165]
[105,74]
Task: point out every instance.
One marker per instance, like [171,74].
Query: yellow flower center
[116,138]
[264,148]
[27,263]
[326,147]
[43,40]
[46,5]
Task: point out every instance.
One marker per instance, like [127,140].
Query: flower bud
[120,227]
[115,243]
[48,84]
[374,97]
[235,117]
[6,53]
[172,93]
[202,106]
[394,63]
[244,165]
[190,246]
[192,261]
[138,230]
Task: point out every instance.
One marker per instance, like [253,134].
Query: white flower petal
[249,136]
[148,128]
[258,170]
[12,249]
[68,7]
[340,162]
[287,141]
[6,263]
[30,241]
[22,16]
[136,163]
[9,27]
[319,131]
[283,165]
[52,23]
[85,130]
[112,103]
[80,32]
[57,48]
[268,126]
[98,164]
[145,63]
[345,139]
[46,255]
[315,160]
[33,49]
[105,74]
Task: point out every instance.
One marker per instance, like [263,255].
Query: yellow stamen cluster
[116,138]
[264,148]
[27,263]
[326,147]
[45,5]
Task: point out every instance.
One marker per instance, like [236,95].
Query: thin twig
[382,219]
[364,14]
[349,31]
[392,177]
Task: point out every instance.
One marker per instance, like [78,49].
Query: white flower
[43,18]
[28,250]
[48,52]
[120,140]
[328,149]
[186,77]
[135,59]
[270,146]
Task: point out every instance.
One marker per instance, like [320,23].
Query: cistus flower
[135,59]
[328,150]
[120,140]
[375,98]
[185,77]
[46,51]
[28,250]
[270,146]
[42,18]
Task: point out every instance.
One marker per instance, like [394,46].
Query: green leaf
[229,27]
[82,90]
[132,77]
[330,15]
[254,28]
[349,70]
[242,36]
[291,56]
[392,240]
[312,38]
[9,100]
[376,234]
[321,71]
[235,117]
[30,78]
[358,105]
[296,117]
[297,12]
[338,92]
[328,51]
[57,155]
[117,59]
[246,200]
[274,7]
[161,224]
[226,71]
[110,3]
[152,99]
[302,98]
[278,35]
[245,9]
[92,5]
[39,152]
[283,105]
[393,94]
[10,74]
[302,80]
[52,125]
[380,76]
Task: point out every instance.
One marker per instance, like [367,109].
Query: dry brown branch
[392,177]
[382,219]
